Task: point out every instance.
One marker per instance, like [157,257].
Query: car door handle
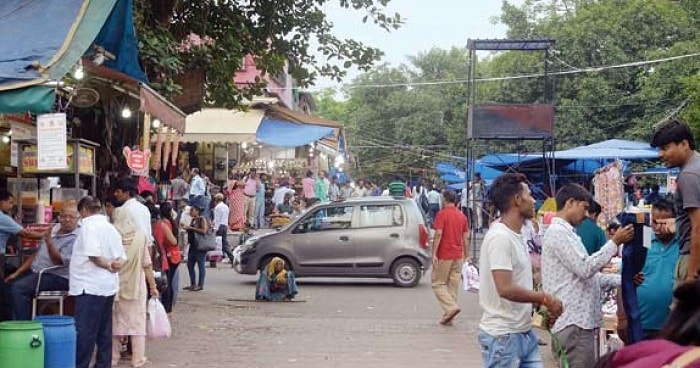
[394,235]
[344,238]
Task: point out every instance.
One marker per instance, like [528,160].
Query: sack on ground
[158,325]
[470,278]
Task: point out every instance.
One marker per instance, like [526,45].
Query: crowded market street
[332,323]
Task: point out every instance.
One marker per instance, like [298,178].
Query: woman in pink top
[308,186]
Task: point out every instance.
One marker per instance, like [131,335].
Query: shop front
[70,107]
[268,138]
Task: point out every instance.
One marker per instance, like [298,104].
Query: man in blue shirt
[655,290]
[54,250]
[592,236]
[8,228]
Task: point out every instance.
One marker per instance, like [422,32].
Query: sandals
[190,288]
[197,288]
[447,319]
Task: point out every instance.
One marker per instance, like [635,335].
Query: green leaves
[278,32]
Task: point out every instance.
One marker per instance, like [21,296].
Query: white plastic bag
[470,278]
[158,325]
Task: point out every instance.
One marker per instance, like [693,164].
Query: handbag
[205,242]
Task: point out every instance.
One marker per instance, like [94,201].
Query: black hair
[127,185]
[504,188]
[5,194]
[663,204]
[111,199]
[90,204]
[397,177]
[683,324]
[613,226]
[672,131]
[655,188]
[594,208]
[166,213]
[450,196]
[309,173]
[571,191]
[146,193]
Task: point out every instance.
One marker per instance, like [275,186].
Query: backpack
[423,202]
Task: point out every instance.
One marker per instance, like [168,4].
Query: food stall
[38,194]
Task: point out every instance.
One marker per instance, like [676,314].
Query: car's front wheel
[406,272]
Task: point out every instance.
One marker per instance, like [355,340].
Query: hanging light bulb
[5,139]
[156,123]
[244,145]
[79,73]
[126,113]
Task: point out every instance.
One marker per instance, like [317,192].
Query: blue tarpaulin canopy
[43,40]
[282,133]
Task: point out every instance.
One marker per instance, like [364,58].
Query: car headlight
[250,243]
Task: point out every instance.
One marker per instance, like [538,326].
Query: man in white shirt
[97,256]
[569,273]
[125,192]
[197,189]
[221,212]
[505,290]
[281,192]
[434,201]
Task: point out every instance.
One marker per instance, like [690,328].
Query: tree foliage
[608,103]
[278,33]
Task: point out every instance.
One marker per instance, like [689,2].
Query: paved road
[335,323]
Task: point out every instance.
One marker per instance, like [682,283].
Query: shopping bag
[158,325]
[470,278]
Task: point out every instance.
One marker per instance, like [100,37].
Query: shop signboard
[52,144]
[86,160]
[137,161]
[19,131]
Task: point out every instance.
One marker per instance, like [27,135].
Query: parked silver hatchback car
[382,237]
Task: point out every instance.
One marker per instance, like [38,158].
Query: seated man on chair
[54,250]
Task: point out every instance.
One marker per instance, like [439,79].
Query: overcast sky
[428,24]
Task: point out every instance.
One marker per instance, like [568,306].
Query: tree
[393,129]
[213,36]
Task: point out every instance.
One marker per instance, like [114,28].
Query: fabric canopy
[156,105]
[223,126]
[43,40]
[287,134]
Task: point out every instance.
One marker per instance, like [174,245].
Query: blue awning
[43,40]
[282,133]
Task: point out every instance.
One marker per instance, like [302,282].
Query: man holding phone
[570,274]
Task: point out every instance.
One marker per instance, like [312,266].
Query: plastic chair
[48,295]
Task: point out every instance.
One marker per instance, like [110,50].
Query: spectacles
[68,217]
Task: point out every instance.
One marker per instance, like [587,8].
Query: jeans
[433,209]
[259,213]
[23,289]
[222,231]
[93,322]
[510,350]
[197,201]
[195,256]
[168,297]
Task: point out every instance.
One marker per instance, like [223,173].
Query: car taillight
[423,236]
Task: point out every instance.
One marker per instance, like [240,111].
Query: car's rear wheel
[405,272]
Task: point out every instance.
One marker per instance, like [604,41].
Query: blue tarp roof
[43,40]
[282,133]
[585,159]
